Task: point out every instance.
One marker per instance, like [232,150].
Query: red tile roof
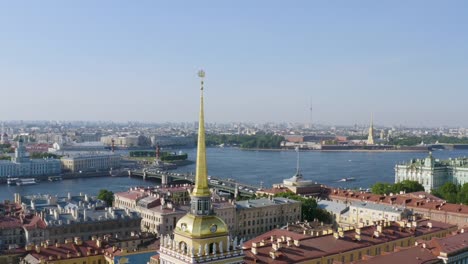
[8,222]
[315,247]
[412,200]
[413,255]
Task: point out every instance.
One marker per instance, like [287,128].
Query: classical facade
[200,236]
[433,173]
[159,207]
[46,217]
[22,165]
[255,217]
[92,162]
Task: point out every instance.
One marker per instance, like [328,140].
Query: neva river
[254,167]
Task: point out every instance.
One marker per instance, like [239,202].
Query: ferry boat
[12,181]
[26,181]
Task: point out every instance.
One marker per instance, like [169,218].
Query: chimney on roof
[78,241]
[335,235]
[99,243]
[379,229]
[297,243]
[38,249]
[254,251]
[376,234]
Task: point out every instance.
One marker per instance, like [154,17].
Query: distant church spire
[370,137]
[201,179]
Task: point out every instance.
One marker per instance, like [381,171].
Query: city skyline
[403,62]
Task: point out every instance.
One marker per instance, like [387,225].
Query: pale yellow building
[92,162]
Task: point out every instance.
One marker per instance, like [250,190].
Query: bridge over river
[220,184]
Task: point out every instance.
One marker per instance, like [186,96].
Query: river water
[254,167]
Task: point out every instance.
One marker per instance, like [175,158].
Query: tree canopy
[106,196]
[406,186]
[261,141]
[310,209]
[453,193]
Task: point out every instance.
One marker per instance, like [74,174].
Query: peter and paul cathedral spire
[370,137]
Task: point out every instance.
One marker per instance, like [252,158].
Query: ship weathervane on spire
[201,74]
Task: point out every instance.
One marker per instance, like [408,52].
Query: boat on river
[55,178]
[26,181]
[12,181]
[347,179]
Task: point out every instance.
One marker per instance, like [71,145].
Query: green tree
[407,186]
[387,188]
[380,188]
[106,196]
[448,191]
[309,208]
[463,194]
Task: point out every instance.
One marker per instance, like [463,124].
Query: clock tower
[200,236]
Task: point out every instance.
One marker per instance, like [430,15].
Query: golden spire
[201,177]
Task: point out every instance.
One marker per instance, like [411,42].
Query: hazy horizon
[405,62]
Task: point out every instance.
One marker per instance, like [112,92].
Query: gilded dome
[201,226]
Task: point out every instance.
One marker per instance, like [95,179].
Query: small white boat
[347,179]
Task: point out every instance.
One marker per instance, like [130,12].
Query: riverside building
[433,173]
[91,162]
[21,165]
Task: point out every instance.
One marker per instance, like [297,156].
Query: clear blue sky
[405,61]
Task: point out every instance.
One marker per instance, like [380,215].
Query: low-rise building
[245,218]
[159,214]
[447,250]
[254,217]
[91,162]
[11,232]
[344,246]
[418,203]
[47,217]
[95,251]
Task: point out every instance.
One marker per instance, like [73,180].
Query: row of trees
[387,188]
[414,140]
[44,155]
[310,209]
[165,156]
[261,141]
[453,193]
